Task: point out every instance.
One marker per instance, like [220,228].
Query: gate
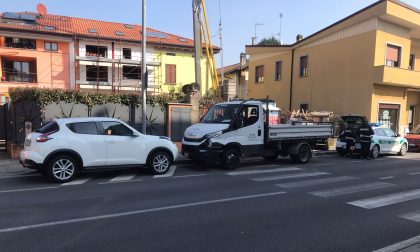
[179,119]
[3,112]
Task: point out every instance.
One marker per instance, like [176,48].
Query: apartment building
[72,53]
[366,63]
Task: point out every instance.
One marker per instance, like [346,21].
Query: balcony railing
[396,76]
[19,77]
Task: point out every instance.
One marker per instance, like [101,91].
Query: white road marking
[168,174]
[248,172]
[317,165]
[291,176]
[353,162]
[77,182]
[414,173]
[123,177]
[121,181]
[385,200]
[385,178]
[315,182]
[414,216]
[351,189]
[150,210]
[192,175]
[29,189]
[400,245]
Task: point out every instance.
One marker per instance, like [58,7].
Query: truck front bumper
[202,154]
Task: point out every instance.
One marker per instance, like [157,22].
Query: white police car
[384,141]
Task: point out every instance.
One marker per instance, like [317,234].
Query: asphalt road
[329,204]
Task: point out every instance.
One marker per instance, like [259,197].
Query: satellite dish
[42,10]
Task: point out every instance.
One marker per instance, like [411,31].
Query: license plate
[412,145]
[357,146]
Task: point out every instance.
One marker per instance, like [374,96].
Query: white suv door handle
[111,141]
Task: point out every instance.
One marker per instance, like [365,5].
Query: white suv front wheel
[160,162]
[62,168]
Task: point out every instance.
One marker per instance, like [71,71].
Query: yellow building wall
[277,90]
[384,38]
[339,76]
[185,72]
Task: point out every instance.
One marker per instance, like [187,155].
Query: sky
[238,16]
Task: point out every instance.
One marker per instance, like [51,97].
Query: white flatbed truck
[236,129]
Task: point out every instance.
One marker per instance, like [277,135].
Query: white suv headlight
[214,134]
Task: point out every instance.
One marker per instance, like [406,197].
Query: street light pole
[143,69]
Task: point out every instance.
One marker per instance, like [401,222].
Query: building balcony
[396,77]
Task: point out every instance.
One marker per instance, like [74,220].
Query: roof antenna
[42,10]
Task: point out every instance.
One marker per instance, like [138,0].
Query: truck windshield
[222,113]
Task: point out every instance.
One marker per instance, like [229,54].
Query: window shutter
[392,53]
[167,74]
[173,74]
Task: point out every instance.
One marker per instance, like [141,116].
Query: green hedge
[44,97]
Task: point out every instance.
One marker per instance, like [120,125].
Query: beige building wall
[347,72]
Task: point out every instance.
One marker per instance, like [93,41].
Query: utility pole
[221,49]
[143,69]
[280,16]
[196,6]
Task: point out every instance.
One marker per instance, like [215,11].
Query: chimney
[299,37]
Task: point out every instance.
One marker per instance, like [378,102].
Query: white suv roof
[85,119]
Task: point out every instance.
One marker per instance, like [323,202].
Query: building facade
[363,64]
[71,53]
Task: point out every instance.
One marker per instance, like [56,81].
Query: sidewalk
[11,166]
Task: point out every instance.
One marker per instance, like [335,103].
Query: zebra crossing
[295,178]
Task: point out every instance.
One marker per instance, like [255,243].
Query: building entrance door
[388,115]
[411,117]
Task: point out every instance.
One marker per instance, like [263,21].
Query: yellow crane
[202,37]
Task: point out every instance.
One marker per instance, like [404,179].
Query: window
[49,127]
[50,46]
[131,72]
[19,71]
[259,74]
[21,43]
[86,128]
[304,108]
[278,70]
[250,115]
[393,56]
[303,66]
[97,73]
[389,133]
[170,73]
[126,53]
[116,129]
[97,51]
[412,63]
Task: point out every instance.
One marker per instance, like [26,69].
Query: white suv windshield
[222,113]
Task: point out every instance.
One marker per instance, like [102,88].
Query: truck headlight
[214,134]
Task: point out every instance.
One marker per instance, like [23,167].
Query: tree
[269,41]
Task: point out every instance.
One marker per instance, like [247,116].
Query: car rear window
[49,127]
[87,128]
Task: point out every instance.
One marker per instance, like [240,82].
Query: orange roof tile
[72,26]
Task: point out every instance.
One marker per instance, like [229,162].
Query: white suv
[63,147]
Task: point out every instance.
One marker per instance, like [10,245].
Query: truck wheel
[62,168]
[230,159]
[304,154]
[273,157]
